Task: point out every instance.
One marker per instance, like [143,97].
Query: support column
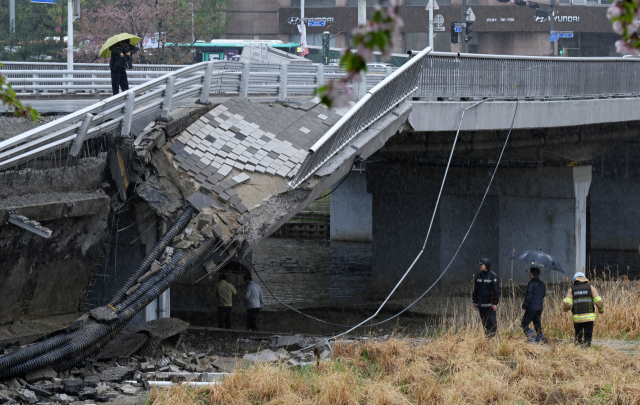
[581,183]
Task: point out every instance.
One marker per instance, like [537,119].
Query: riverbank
[454,368]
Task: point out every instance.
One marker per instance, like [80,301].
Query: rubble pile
[158,353]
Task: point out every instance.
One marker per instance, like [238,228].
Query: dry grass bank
[621,319]
[459,366]
[453,369]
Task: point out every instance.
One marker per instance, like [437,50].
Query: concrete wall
[527,209]
[351,210]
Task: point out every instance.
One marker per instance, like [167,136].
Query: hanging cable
[450,262]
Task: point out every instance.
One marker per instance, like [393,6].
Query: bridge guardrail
[385,96]
[265,79]
[116,113]
[455,75]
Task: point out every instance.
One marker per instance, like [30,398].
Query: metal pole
[463,19]
[431,23]
[325,47]
[553,26]
[70,35]
[12,15]
[302,13]
[193,35]
[362,12]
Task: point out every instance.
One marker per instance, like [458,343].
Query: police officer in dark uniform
[486,295]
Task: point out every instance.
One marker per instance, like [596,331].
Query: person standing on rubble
[253,301]
[223,294]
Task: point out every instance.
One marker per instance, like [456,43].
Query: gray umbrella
[538,259]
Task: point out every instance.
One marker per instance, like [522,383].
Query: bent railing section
[504,76]
[377,102]
[156,93]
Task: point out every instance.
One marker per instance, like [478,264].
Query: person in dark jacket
[532,306]
[486,296]
[121,60]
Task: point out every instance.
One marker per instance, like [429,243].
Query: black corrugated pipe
[157,250]
[128,313]
[37,349]
[50,344]
[98,334]
[150,282]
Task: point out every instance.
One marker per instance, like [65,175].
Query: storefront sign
[312,21]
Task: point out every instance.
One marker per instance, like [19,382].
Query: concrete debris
[113,374]
[163,328]
[28,396]
[130,390]
[40,375]
[125,344]
[264,356]
[64,398]
[161,195]
[104,314]
[289,342]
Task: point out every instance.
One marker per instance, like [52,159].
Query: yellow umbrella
[106,53]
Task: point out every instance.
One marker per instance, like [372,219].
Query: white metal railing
[154,94]
[505,76]
[376,103]
[264,79]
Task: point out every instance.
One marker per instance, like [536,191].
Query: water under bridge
[246,147]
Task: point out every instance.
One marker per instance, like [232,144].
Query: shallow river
[314,271]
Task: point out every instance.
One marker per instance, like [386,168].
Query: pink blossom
[632,28]
[625,48]
[615,11]
[618,28]
[339,93]
[365,52]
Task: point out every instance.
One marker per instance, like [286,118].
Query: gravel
[11,126]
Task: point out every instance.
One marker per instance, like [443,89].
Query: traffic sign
[438,23]
[553,37]
[470,15]
[565,34]
[435,5]
[316,23]
[44,1]
[458,29]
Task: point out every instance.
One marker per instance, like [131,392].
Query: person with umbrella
[119,49]
[582,299]
[532,306]
[486,295]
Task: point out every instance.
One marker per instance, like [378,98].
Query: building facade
[499,28]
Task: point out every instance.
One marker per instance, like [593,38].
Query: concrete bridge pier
[581,183]
[526,209]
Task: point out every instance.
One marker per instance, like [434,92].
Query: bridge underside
[569,191]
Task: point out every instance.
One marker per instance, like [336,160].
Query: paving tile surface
[253,138]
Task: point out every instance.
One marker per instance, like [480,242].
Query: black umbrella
[538,259]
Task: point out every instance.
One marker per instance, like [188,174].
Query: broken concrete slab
[162,328]
[124,344]
[39,375]
[161,195]
[113,374]
[289,342]
[264,356]
[104,314]
[228,364]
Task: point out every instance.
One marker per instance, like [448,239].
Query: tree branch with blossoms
[8,97]
[624,15]
[375,35]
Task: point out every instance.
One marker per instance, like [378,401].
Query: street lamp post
[12,16]
[193,32]
[70,35]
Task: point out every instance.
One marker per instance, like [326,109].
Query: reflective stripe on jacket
[486,289]
[573,304]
